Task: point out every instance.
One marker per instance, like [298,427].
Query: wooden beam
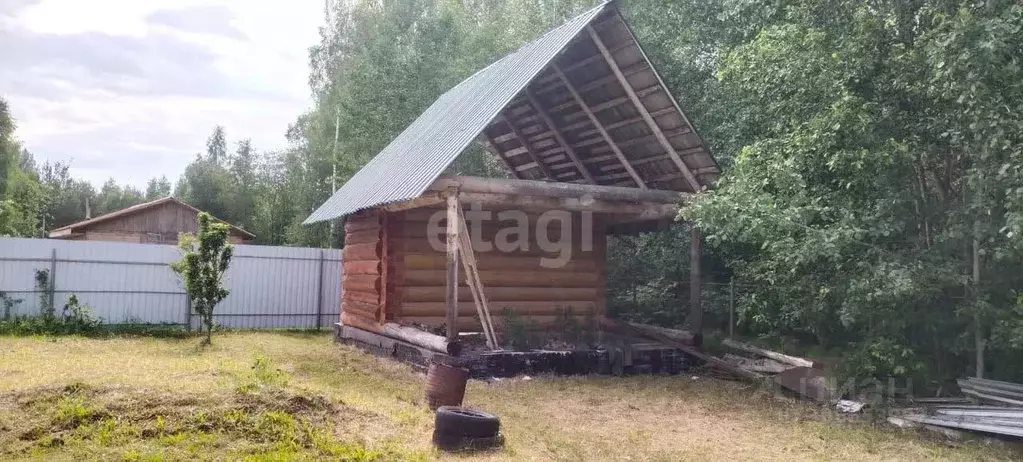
[451,281]
[525,144]
[557,135]
[600,107]
[490,145]
[596,83]
[639,211]
[555,189]
[690,178]
[426,200]
[585,61]
[674,102]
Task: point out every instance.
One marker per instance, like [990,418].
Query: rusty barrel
[445,385]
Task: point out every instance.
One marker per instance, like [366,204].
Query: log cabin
[594,144]
[160,221]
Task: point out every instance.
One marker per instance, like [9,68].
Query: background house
[155,222]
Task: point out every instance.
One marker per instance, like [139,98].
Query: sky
[131,89]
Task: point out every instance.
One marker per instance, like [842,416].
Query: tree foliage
[205,258]
[873,144]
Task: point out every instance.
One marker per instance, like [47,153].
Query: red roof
[138,208]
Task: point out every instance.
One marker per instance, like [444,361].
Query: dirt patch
[112,416]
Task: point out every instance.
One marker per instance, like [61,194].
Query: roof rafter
[521,138]
[558,136]
[693,182]
[490,145]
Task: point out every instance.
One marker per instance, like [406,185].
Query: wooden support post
[641,108]
[695,276]
[979,341]
[731,307]
[451,283]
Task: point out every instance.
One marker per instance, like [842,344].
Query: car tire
[462,428]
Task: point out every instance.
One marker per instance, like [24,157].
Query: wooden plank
[451,274]
[491,145]
[712,360]
[473,278]
[557,135]
[782,358]
[643,110]
[521,138]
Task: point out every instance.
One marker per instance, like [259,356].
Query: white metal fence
[132,283]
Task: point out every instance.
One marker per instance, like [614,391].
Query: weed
[73,411]
[261,375]
[275,426]
[8,303]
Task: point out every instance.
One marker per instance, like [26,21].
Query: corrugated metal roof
[413,160]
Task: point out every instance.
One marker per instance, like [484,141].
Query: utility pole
[333,171]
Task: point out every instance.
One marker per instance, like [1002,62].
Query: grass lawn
[280,396]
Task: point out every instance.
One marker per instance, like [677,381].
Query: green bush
[76,318]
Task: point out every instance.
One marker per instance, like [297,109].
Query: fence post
[188,312]
[319,295]
[53,278]
[731,307]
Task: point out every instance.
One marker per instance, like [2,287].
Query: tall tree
[21,197]
[157,188]
[67,195]
[216,146]
[243,174]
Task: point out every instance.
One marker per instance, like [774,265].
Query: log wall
[393,272]
[514,280]
[364,269]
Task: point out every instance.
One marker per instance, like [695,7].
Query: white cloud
[131,89]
